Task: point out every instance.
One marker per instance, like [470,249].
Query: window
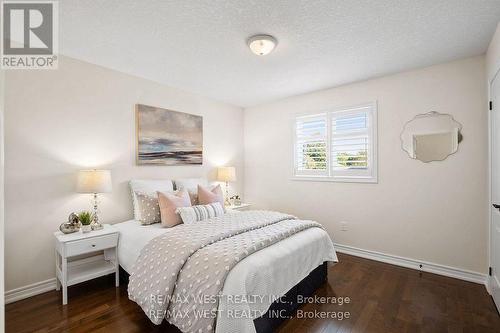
[311,145]
[337,145]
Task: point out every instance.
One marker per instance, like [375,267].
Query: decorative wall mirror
[431,136]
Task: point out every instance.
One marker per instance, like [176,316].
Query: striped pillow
[200,212]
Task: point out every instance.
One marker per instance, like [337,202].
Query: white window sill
[369,180]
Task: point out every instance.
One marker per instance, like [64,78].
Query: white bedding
[271,271]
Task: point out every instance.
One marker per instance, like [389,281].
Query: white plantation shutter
[352,143]
[337,145]
[311,145]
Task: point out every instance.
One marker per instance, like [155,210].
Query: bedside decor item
[431,136]
[94,182]
[86,219]
[235,200]
[167,137]
[73,224]
[73,218]
[226,174]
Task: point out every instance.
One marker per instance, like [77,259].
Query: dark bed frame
[286,306]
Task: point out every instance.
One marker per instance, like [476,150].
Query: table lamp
[226,174]
[94,182]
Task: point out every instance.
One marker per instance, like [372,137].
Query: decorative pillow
[147,208]
[206,196]
[190,185]
[149,187]
[169,202]
[200,212]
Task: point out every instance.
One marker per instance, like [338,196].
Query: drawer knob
[93,245]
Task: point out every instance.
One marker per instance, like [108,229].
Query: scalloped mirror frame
[431,126]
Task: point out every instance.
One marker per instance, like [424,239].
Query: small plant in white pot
[86,219]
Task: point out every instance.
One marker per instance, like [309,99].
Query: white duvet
[271,271]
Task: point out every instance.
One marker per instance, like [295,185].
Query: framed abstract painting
[166,137]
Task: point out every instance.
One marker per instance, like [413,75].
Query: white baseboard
[50,284]
[420,265]
[43,286]
[29,290]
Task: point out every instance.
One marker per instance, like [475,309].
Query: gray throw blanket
[180,274]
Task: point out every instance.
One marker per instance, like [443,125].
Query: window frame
[349,176]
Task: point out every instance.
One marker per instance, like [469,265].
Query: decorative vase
[68,228]
[73,224]
[86,228]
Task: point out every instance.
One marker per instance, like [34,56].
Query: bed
[273,270]
[271,255]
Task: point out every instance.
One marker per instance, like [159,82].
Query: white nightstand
[78,243]
[243,206]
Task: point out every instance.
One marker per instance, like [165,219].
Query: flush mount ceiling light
[262,44]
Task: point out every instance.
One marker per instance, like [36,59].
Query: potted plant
[86,219]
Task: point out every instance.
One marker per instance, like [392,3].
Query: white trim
[366,180]
[419,265]
[462,274]
[30,290]
[41,287]
[490,285]
[490,200]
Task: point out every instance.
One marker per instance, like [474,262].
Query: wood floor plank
[384,298]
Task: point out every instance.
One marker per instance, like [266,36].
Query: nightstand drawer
[92,244]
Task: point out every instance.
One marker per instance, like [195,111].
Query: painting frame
[154,141]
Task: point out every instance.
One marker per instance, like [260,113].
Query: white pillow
[191,186]
[149,187]
[197,213]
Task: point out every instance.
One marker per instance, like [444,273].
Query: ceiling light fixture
[262,44]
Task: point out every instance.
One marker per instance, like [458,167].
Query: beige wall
[82,116]
[493,55]
[435,212]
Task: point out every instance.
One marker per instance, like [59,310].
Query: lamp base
[226,201]
[97,226]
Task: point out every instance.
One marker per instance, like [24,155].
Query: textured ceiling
[199,45]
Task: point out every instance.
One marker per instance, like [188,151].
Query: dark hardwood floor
[383,298]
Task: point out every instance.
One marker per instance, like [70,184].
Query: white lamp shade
[226,174]
[94,181]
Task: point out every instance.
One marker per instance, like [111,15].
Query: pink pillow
[206,196]
[168,204]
